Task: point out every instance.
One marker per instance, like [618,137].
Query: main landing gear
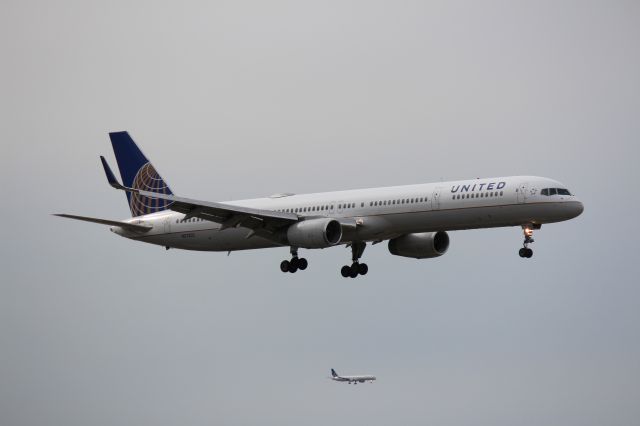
[525,251]
[295,263]
[356,268]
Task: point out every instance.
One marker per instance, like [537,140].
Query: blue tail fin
[137,172]
[333,373]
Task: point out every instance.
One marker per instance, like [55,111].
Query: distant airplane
[413,218]
[351,379]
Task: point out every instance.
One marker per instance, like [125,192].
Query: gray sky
[240,99]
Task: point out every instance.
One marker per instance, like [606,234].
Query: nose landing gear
[525,251]
[295,263]
[356,268]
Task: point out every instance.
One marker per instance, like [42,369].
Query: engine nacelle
[315,233]
[422,245]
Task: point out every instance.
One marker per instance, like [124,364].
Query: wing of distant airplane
[258,220]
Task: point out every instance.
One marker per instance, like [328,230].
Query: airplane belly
[391,225]
[210,240]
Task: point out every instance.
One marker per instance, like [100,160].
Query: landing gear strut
[525,251]
[295,263]
[356,268]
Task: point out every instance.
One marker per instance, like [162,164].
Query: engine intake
[315,233]
[422,245]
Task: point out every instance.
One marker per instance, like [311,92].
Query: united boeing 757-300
[414,219]
[351,379]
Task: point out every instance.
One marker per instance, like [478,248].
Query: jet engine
[422,245]
[315,233]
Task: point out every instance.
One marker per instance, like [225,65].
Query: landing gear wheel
[302,263]
[345,271]
[363,269]
[295,263]
[525,252]
[284,266]
[353,270]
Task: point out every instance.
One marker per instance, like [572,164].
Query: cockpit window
[554,191]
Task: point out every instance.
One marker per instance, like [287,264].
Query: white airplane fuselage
[377,214]
[354,379]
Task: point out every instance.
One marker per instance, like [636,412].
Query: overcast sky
[243,99]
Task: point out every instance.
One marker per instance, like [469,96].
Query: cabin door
[435,198]
[522,192]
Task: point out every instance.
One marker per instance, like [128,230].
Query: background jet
[351,379]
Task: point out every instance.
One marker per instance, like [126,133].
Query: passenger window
[501,192]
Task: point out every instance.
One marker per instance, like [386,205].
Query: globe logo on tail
[148,179]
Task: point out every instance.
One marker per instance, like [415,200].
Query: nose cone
[576,208]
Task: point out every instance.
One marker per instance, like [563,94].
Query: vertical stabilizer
[137,172]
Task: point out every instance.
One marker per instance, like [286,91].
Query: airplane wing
[259,221]
[124,225]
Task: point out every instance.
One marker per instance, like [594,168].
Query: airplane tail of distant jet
[138,173]
[333,373]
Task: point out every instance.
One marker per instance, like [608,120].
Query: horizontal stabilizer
[123,225]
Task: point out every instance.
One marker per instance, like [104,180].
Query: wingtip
[111,178]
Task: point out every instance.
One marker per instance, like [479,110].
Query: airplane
[351,379]
[414,219]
